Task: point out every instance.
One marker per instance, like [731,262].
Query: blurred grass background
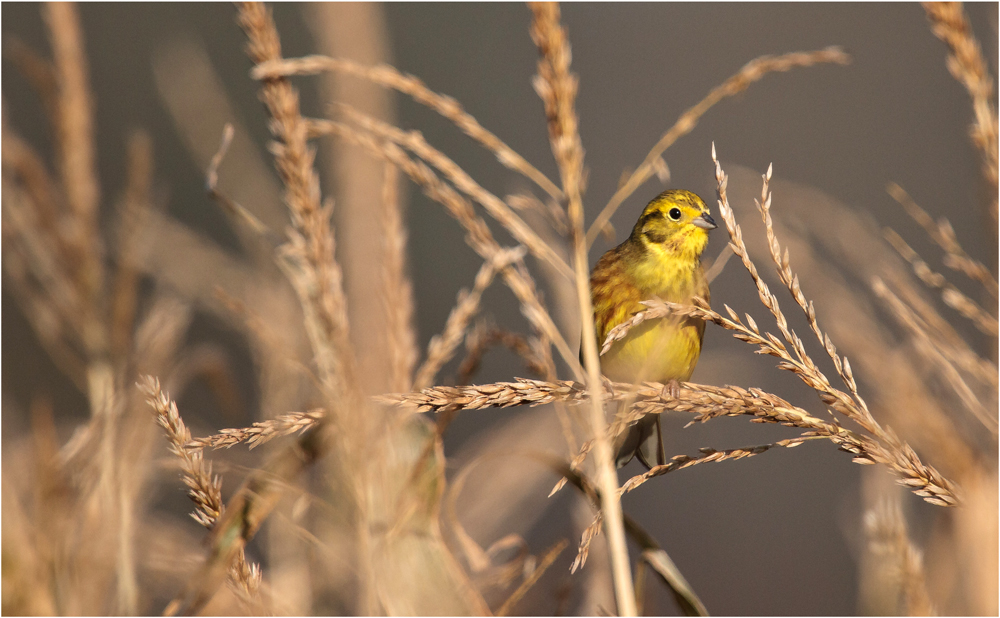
[777,534]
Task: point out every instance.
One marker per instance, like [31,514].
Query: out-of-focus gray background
[775,534]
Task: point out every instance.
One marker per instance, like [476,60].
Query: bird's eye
[674,214]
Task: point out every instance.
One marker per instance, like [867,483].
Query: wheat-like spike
[260,432]
[704,402]
[309,254]
[859,411]
[76,155]
[967,65]
[389,77]
[397,287]
[709,455]
[205,490]
[853,406]
[584,549]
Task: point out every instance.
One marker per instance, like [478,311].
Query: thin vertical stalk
[557,88]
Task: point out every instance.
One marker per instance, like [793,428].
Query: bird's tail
[643,439]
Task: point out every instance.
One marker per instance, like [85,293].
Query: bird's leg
[671,389]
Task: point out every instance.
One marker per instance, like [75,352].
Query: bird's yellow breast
[659,350]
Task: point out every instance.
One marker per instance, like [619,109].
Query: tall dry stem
[557,88]
[967,65]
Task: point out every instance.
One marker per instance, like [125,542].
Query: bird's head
[674,223]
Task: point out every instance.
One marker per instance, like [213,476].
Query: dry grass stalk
[662,565]
[34,257]
[132,218]
[703,401]
[121,317]
[483,336]
[380,510]
[708,455]
[549,210]
[917,313]
[442,347]
[204,489]
[715,269]
[543,565]
[63,298]
[967,65]
[313,269]
[588,536]
[901,565]
[397,289]
[751,72]
[943,234]
[65,276]
[308,261]
[951,296]
[886,448]
[75,140]
[389,77]
[39,72]
[71,275]
[497,208]
[58,229]
[356,181]
[260,432]
[802,364]
[557,88]
[479,237]
[944,357]
[231,207]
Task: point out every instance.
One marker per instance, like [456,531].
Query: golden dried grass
[385,477]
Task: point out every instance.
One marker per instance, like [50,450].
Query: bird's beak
[705,221]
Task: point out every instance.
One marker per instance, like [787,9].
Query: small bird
[660,259]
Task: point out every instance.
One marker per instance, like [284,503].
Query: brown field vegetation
[342,497]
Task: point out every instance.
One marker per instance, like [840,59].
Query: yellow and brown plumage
[660,259]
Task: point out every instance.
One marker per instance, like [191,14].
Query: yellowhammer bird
[660,259]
